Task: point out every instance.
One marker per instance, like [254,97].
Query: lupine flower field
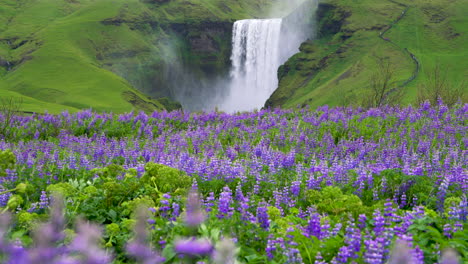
[332,185]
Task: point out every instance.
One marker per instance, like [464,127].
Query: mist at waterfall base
[259,48]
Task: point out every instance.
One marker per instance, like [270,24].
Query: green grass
[29,104]
[75,54]
[66,58]
[60,65]
[346,74]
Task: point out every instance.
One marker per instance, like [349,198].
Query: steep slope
[355,35]
[48,46]
[77,54]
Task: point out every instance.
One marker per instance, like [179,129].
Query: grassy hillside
[74,54]
[337,68]
[112,54]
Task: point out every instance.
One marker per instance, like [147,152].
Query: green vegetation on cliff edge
[336,69]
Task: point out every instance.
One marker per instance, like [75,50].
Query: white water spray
[259,48]
[255,61]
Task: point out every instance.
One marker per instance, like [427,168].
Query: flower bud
[14,202]
[21,188]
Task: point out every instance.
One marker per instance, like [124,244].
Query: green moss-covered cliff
[111,55]
[355,35]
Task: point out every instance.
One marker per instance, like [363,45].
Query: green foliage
[337,68]
[28,221]
[167,179]
[133,205]
[7,161]
[428,232]
[332,201]
[14,202]
[62,188]
[110,172]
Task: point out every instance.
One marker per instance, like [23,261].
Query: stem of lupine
[8,191]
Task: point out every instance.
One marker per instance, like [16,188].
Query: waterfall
[255,60]
[259,48]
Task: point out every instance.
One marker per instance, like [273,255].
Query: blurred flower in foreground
[450,256]
[226,252]
[86,243]
[193,247]
[194,214]
[139,248]
[401,254]
[49,235]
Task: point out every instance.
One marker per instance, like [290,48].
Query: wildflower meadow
[331,185]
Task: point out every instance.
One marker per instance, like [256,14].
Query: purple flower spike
[193,247]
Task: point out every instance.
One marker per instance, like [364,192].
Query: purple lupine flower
[224,205]
[209,202]
[295,188]
[175,211]
[448,230]
[362,221]
[336,229]
[262,216]
[319,259]
[293,256]
[193,247]
[353,239]
[270,248]
[86,244]
[344,254]
[165,208]
[379,223]
[49,235]
[314,226]
[4,197]
[139,248]
[374,253]
[43,201]
[194,214]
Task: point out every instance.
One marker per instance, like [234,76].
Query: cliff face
[176,52]
[306,64]
[208,46]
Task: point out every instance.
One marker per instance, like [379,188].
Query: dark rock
[138,102]
[204,43]
[4,62]
[331,19]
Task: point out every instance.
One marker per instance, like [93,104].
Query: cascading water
[259,47]
[255,61]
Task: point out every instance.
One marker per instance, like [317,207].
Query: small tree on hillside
[438,88]
[9,106]
[382,90]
